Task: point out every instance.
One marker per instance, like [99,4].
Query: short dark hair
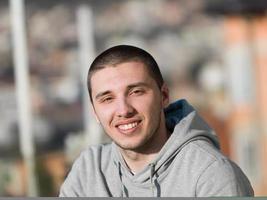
[121,54]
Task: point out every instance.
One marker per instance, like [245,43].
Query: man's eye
[137,92]
[106,100]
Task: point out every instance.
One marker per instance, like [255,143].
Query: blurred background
[211,52]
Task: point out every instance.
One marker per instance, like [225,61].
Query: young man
[158,150]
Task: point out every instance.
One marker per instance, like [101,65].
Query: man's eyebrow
[138,84]
[102,94]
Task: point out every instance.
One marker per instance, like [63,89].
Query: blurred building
[245,36]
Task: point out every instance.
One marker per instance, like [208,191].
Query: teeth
[127,126]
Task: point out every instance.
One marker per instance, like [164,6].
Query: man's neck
[137,160]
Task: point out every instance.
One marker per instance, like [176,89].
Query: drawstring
[152,169]
[123,188]
[152,182]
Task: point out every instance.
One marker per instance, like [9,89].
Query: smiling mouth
[128,127]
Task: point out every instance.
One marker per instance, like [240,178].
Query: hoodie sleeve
[223,178]
[73,186]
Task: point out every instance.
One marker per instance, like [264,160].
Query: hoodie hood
[183,121]
[185,126]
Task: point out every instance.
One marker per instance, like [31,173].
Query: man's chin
[128,147]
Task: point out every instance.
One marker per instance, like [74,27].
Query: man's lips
[127,125]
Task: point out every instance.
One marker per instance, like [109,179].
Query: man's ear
[165,95]
[94,113]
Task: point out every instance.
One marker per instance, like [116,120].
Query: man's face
[129,104]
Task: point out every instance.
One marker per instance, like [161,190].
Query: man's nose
[124,108]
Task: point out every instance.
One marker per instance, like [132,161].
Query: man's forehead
[127,70]
[120,77]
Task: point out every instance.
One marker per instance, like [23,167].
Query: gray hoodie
[190,164]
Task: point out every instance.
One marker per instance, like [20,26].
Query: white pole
[87,51]
[20,58]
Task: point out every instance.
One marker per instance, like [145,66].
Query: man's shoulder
[213,165]
[206,149]
[87,170]
[98,150]
[202,155]
[217,170]
[94,155]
